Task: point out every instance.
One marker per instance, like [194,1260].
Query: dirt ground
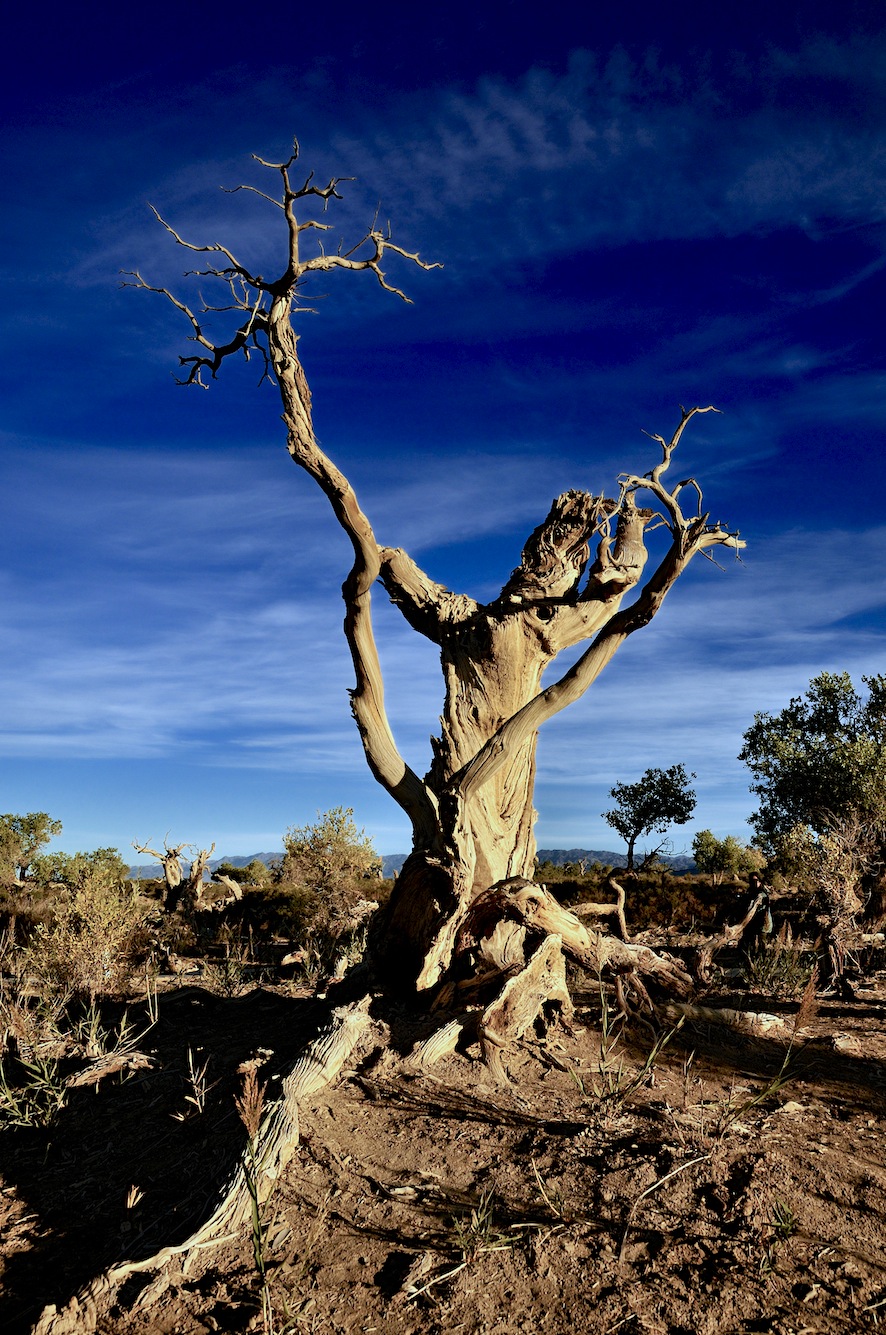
[711,1197]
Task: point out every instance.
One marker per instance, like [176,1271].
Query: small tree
[330,855]
[20,839]
[661,798]
[718,858]
[103,865]
[821,764]
[823,756]
[819,770]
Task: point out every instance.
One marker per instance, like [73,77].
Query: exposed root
[748,1022]
[524,902]
[443,1041]
[275,1143]
[521,1002]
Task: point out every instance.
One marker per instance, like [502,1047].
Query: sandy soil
[697,1202]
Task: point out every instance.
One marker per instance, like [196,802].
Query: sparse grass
[36,1100]
[235,972]
[199,1088]
[476,1231]
[613,1084]
[780,969]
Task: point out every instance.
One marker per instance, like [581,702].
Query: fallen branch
[275,1143]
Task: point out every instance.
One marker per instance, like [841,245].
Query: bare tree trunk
[471,814]
[194,892]
[170,861]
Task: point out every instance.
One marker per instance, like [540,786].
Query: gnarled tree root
[275,1143]
[517,936]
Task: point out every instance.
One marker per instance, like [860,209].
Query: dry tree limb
[730,935]
[616,910]
[442,1041]
[276,1141]
[109,1065]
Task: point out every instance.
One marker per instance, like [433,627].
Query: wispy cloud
[228,649]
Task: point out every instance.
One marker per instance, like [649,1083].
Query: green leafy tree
[257,873]
[20,839]
[661,798]
[822,758]
[103,865]
[819,770]
[719,858]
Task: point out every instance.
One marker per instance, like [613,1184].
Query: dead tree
[170,861]
[194,890]
[472,813]
[466,929]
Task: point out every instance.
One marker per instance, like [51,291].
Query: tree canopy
[660,798]
[20,839]
[821,758]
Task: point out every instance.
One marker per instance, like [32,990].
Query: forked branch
[688,537]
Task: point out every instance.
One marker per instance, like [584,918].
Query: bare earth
[442,1202]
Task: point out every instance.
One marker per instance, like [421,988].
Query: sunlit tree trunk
[472,813]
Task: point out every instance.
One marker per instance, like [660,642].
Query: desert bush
[780,968]
[93,942]
[328,868]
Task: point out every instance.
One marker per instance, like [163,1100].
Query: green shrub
[93,942]
[72,869]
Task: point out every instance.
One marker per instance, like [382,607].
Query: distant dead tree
[195,873]
[170,861]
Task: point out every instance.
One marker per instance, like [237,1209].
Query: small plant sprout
[613,1084]
[250,1104]
[477,1232]
[783,1222]
[781,1226]
[199,1089]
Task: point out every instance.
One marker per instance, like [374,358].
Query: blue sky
[635,210]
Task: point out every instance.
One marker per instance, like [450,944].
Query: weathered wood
[472,813]
[275,1143]
[442,1042]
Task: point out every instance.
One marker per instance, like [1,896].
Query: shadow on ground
[118,1175]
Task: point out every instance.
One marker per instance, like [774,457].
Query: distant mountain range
[392,862]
